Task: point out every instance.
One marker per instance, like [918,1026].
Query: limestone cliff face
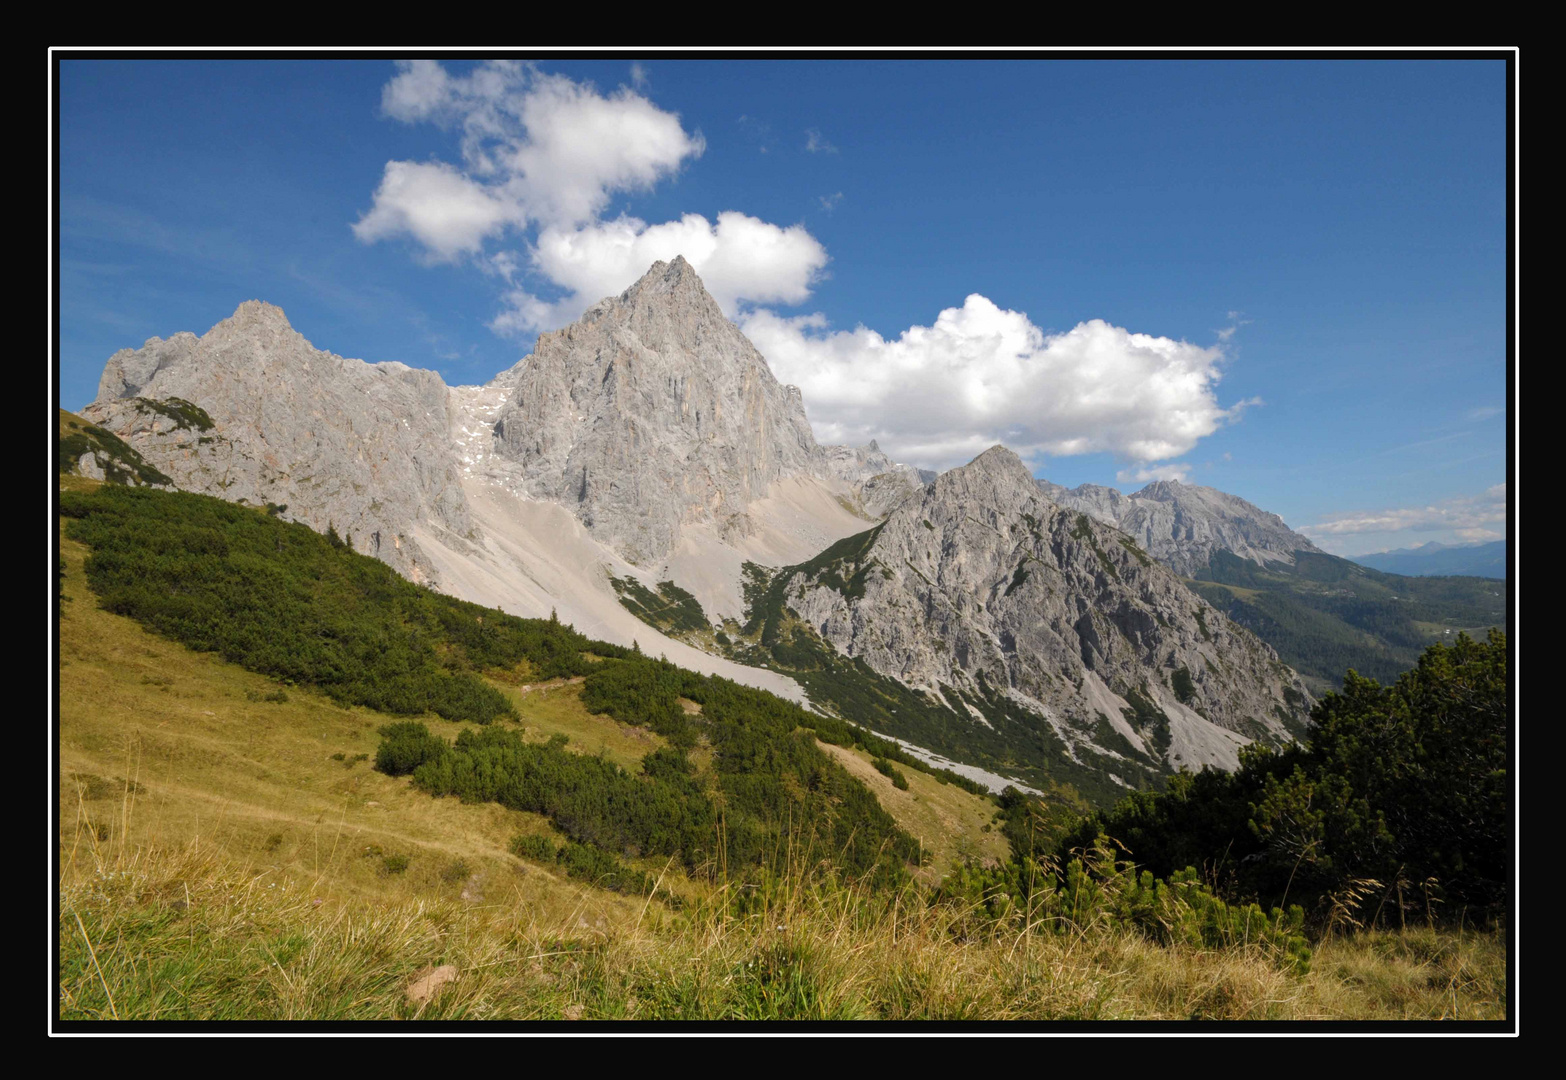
[1181,525]
[876,481]
[985,577]
[252,412]
[651,412]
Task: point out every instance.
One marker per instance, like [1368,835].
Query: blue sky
[1284,279]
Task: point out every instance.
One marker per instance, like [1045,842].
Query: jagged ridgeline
[994,627]
[277,598]
[1324,615]
[1011,740]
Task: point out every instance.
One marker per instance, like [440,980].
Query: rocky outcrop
[252,412]
[877,482]
[651,412]
[984,583]
[1181,525]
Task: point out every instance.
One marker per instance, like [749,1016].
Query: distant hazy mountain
[1447,560]
[1182,525]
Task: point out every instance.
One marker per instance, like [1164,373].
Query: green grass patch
[671,609]
[186,415]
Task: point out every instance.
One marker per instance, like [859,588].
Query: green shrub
[282,600]
[538,848]
[406,746]
[1404,783]
[886,769]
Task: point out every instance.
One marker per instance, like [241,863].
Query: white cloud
[1236,320]
[1469,516]
[936,395]
[639,76]
[738,258]
[435,204]
[829,202]
[542,156]
[1148,473]
[535,147]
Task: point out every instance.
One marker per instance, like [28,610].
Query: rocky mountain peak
[986,586]
[252,412]
[1182,525]
[997,477]
[253,313]
[651,413]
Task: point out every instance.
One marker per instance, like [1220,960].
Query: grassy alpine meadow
[229,849]
[186,933]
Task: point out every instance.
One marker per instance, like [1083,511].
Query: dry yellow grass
[152,933]
[257,780]
[953,825]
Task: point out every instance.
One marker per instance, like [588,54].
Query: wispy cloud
[1471,514]
[1236,320]
[758,132]
[1148,473]
[816,143]
[86,218]
[829,202]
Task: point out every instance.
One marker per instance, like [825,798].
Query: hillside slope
[311,745]
[1325,615]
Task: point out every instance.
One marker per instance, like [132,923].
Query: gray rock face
[363,447]
[878,482]
[1181,525]
[983,575]
[651,412]
[654,412]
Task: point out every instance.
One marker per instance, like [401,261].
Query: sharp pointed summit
[651,413]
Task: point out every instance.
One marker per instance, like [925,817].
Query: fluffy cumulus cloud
[447,213]
[1471,518]
[738,257]
[936,395]
[542,156]
[553,150]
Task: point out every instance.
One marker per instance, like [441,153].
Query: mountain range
[643,476]
[1433,559]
